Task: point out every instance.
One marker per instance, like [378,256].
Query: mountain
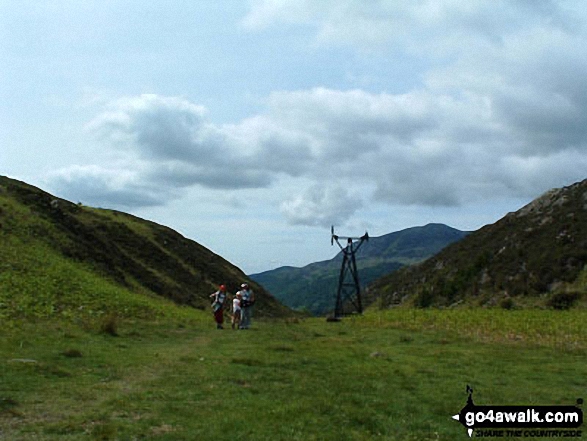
[58,257]
[313,287]
[535,256]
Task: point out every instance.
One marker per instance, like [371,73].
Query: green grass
[394,375]
[561,330]
[39,283]
[55,255]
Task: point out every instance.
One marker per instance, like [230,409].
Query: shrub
[425,298]
[109,325]
[72,353]
[564,300]
[507,303]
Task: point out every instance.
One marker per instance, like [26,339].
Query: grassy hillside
[313,287]
[535,256]
[59,258]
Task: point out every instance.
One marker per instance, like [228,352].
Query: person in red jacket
[219,298]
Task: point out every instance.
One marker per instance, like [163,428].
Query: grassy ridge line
[379,376]
[529,258]
[39,231]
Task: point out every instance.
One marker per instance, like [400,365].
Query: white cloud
[321,206]
[501,112]
[443,26]
[164,144]
[106,187]
[159,127]
[422,148]
[418,148]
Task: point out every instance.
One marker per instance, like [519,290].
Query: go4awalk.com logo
[520,421]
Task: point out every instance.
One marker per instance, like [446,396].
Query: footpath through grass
[397,375]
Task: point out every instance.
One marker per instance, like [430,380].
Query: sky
[253,126]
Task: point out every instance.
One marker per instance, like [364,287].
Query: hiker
[236,310]
[247,302]
[218,305]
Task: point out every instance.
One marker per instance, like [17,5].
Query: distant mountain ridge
[537,255]
[52,250]
[313,287]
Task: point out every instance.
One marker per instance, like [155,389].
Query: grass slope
[391,375]
[61,258]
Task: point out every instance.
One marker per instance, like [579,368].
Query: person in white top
[236,311]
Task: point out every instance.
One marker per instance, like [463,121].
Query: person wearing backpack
[247,302]
[219,298]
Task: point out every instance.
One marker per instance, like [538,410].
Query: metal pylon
[349,288]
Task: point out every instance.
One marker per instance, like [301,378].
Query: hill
[535,256]
[313,287]
[57,257]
